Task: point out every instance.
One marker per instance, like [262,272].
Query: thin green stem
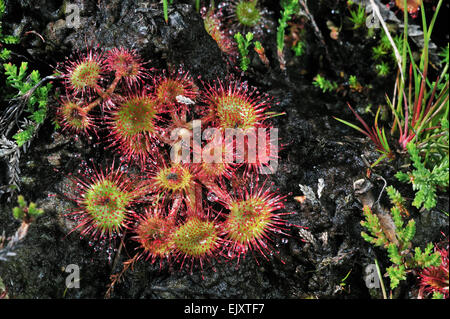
[166,10]
[380,278]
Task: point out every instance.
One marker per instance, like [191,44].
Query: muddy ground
[308,265]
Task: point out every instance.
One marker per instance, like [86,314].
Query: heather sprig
[324,84]
[259,49]
[27,214]
[425,181]
[25,210]
[37,99]
[394,233]
[299,48]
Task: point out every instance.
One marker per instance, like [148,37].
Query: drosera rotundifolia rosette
[175,209]
[246,16]
[224,20]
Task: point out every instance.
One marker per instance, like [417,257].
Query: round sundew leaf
[85,74]
[196,238]
[214,169]
[107,205]
[135,116]
[248,220]
[138,144]
[212,25]
[154,233]
[247,13]
[74,116]
[174,178]
[235,112]
[169,89]
[125,65]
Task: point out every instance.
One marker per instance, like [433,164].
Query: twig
[117,277]
[382,190]
[34,32]
[119,251]
[14,241]
[398,57]
[15,110]
[11,152]
[380,278]
[304,4]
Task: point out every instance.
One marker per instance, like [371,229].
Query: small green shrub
[424,180]
[396,236]
[5,39]
[37,99]
[25,210]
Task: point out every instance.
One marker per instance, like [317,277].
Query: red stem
[103,94]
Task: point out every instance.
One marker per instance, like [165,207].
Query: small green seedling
[243,45]
[324,84]
[343,283]
[382,69]
[358,17]
[26,211]
[299,48]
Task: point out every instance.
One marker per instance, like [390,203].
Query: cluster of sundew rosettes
[175,211]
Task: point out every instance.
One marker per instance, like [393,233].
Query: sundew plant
[226,149]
